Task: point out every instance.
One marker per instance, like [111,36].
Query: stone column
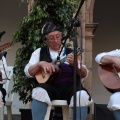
[89,34]
[30,4]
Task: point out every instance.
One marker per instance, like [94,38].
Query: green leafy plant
[28,34]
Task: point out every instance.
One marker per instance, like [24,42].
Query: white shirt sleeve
[85,68]
[111,53]
[86,74]
[4,70]
[33,60]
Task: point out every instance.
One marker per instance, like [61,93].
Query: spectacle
[56,37]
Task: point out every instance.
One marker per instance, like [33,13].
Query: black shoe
[57,116]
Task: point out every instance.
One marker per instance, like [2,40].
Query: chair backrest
[7,85]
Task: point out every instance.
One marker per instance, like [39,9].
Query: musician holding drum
[112,58]
[61,86]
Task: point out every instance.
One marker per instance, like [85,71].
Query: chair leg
[2,113]
[47,116]
[65,110]
[9,112]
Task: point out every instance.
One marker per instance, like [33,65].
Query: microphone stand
[75,64]
[71,27]
[74,24]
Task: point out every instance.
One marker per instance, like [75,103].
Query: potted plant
[28,34]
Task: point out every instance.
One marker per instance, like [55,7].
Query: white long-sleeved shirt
[111,53]
[114,102]
[35,59]
[4,70]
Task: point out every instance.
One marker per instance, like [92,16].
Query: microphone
[1,34]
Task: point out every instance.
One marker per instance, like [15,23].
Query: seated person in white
[61,87]
[113,58]
[3,79]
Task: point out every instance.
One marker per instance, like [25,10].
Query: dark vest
[45,53]
[45,56]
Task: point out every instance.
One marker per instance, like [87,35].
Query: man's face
[54,40]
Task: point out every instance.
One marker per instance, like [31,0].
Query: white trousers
[114,103]
[1,100]
[82,98]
